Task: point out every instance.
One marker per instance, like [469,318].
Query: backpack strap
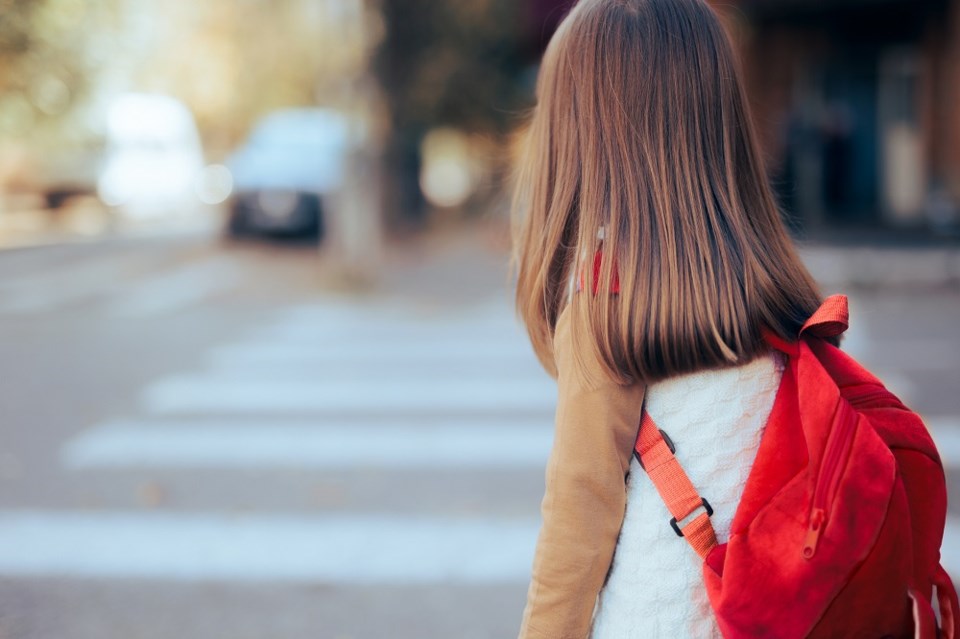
[655,450]
[691,513]
[948,603]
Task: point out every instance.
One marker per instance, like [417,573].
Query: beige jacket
[583,505]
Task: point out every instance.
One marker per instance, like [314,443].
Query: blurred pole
[356,235]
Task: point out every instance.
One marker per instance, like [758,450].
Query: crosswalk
[336,386]
[333,387]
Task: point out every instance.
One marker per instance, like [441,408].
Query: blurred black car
[283,173]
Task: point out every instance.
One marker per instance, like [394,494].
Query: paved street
[197,442]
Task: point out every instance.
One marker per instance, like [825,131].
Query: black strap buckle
[666,438]
[706,506]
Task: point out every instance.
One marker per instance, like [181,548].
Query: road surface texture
[200,440]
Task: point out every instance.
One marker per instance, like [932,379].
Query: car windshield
[291,131]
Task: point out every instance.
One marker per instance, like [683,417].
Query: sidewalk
[453,261]
[463,254]
[883,266]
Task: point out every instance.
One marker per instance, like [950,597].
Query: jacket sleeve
[596,426]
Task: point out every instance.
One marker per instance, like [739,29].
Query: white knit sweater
[715,418]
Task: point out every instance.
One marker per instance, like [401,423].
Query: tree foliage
[454,63]
[47,60]
[230,61]
[463,64]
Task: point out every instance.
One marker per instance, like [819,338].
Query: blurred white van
[153,157]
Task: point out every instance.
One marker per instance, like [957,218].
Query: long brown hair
[642,136]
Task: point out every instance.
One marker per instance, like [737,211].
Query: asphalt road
[202,441]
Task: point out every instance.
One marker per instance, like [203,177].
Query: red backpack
[839,529]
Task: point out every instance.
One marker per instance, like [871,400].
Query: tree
[47,62]
[462,63]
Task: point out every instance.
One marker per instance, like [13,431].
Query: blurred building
[858,105]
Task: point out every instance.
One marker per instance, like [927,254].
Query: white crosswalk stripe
[450,444]
[204,395]
[191,547]
[359,350]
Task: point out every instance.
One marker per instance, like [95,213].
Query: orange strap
[832,318]
[675,488]
[668,476]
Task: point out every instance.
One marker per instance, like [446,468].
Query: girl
[642,170]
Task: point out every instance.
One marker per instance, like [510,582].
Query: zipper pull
[817,517]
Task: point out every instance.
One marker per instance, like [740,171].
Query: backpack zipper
[831,467]
[829,475]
